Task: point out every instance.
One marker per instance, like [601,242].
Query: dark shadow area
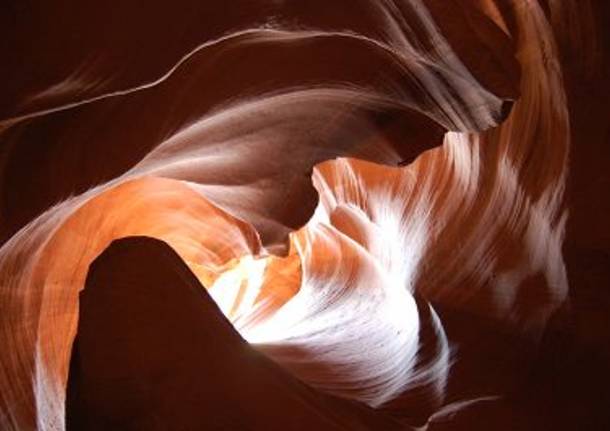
[153,352]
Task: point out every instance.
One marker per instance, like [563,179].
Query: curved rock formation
[138,323]
[372,193]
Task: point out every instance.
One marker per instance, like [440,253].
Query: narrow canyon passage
[353,214]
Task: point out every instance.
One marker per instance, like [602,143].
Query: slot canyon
[305,215]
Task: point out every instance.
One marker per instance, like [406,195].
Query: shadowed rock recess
[154,352]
